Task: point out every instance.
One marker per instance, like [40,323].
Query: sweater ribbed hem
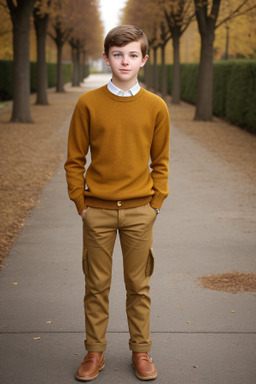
[117,204]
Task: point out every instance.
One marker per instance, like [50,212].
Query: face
[125,63]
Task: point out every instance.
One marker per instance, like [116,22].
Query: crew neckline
[122,99]
[120,92]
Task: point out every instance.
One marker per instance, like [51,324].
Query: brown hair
[124,34]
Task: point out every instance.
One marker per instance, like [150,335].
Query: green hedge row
[234,89]
[6,87]
[52,74]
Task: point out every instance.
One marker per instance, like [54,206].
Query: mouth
[125,70]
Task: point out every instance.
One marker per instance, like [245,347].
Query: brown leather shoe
[90,367]
[144,367]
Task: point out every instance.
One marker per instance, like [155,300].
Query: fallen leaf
[233,282]
[188,322]
[15,283]
[195,366]
[49,322]
[232,311]
[36,338]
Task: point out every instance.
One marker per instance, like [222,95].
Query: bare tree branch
[235,14]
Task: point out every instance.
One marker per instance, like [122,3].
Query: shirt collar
[119,92]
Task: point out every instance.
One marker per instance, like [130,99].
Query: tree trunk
[60,37]
[176,67]
[20,16]
[227,43]
[73,57]
[155,72]
[81,72]
[163,67]
[205,79]
[84,64]
[206,26]
[42,77]
[147,74]
[60,87]
[76,68]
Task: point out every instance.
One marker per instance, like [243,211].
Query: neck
[124,86]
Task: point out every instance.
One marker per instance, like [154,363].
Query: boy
[124,126]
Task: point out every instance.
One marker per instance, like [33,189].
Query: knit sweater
[128,138]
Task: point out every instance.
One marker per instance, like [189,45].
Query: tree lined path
[207,226]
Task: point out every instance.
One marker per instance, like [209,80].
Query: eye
[117,54]
[133,56]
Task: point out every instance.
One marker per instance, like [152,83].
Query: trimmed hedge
[241,95]
[6,87]
[234,89]
[188,76]
[52,74]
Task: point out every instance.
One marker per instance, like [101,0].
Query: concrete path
[207,225]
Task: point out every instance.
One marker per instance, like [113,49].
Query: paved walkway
[207,225]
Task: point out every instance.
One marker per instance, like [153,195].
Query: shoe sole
[87,378]
[145,378]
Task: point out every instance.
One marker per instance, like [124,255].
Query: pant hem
[140,347]
[95,347]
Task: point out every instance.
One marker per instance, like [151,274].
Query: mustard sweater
[123,135]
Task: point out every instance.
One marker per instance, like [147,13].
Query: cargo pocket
[85,262]
[150,263]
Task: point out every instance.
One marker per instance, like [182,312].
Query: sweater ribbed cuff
[157,200]
[80,204]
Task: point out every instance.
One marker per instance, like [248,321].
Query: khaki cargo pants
[135,227]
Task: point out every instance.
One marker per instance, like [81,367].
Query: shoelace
[145,357]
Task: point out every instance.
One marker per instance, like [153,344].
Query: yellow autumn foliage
[241,33]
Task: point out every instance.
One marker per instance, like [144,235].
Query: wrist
[83,213]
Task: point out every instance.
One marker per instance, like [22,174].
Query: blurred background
[202,52]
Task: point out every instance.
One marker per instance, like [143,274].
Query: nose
[125,60]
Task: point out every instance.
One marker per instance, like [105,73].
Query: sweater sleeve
[78,144]
[160,150]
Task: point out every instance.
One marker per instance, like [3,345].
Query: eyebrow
[117,51]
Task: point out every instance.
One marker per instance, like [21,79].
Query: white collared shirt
[118,92]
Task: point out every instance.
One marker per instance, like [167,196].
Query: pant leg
[136,237]
[99,234]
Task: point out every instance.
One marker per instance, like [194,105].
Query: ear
[106,59]
[144,60]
